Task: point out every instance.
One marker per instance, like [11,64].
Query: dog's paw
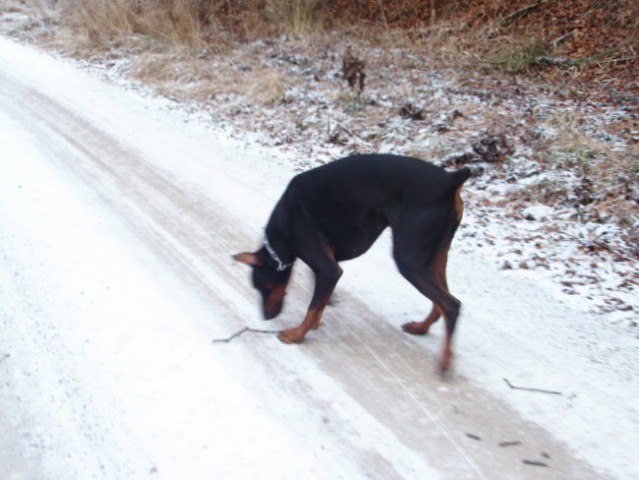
[416,328]
[445,364]
[290,336]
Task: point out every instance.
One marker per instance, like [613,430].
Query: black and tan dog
[336,212]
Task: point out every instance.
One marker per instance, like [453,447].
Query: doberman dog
[336,212]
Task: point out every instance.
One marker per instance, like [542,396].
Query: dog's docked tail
[459,177]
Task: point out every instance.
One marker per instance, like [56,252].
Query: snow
[106,344]
[116,276]
[110,372]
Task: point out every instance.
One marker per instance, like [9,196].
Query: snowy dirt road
[118,217]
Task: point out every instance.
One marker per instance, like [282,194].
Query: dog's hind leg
[430,279]
[443,302]
[422,328]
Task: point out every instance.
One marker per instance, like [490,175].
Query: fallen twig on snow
[513,443]
[535,463]
[244,330]
[529,389]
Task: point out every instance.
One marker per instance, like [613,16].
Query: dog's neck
[276,240]
[281,265]
[277,246]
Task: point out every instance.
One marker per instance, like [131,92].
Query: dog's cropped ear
[248,258]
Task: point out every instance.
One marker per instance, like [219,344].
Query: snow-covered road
[118,218]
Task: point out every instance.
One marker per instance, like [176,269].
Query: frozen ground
[118,215]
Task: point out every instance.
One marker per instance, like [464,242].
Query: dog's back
[352,200]
[377,179]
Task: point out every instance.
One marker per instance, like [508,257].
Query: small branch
[539,390]
[244,330]
[618,60]
[561,39]
[513,443]
[520,13]
[534,463]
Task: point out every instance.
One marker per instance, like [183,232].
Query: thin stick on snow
[513,443]
[244,330]
[535,463]
[540,390]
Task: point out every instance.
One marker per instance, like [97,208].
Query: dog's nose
[272,310]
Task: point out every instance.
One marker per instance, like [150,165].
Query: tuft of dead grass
[265,86]
[264,18]
[179,75]
[524,57]
[176,22]
[297,17]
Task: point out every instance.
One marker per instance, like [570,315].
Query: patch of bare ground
[555,152]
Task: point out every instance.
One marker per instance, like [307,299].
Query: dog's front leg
[297,334]
[325,281]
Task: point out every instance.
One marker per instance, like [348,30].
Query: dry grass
[571,140]
[191,23]
[194,25]
[446,41]
[189,78]
[175,22]
[297,17]
[265,86]
[524,57]
[605,181]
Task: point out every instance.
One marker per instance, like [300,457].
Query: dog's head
[268,280]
